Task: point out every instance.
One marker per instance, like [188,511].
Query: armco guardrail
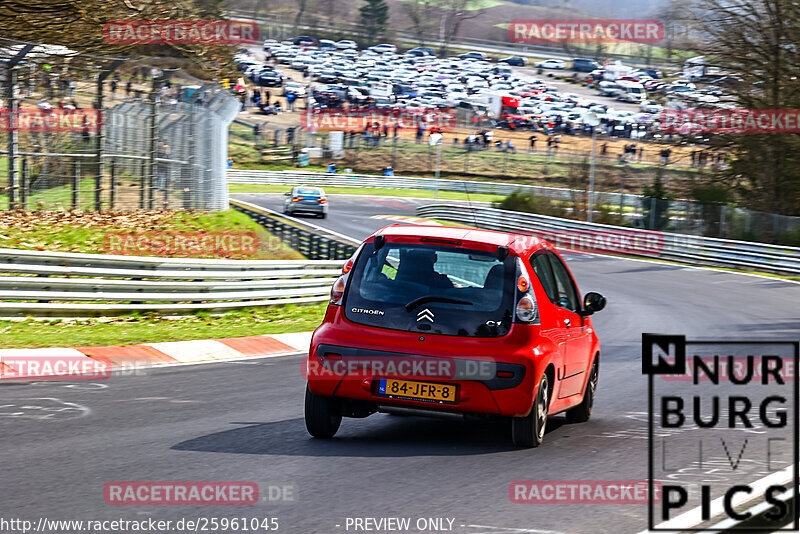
[311,240]
[579,235]
[292,178]
[66,284]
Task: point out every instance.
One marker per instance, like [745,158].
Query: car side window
[541,267]
[567,292]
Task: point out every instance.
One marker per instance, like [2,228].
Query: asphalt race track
[62,442]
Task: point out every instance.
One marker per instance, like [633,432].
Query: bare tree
[78,25]
[422,16]
[454,13]
[759,42]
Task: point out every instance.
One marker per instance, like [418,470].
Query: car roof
[520,244]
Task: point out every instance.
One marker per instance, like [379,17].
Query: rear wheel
[322,415]
[528,431]
[582,412]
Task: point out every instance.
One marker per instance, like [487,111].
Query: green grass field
[131,330]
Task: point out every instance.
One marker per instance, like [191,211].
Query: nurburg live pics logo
[722,442]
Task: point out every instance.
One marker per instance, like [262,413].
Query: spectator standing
[128,89]
[510,146]
[113,89]
[290,98]
[533,144]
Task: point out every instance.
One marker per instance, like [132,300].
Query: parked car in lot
[384,47]
[551,64]
[269,78]
[327,44]
[294,87]
[269,44]
[657,74]
[584,65]
[651,106]
[306,200]
[304,40]
[630,92]
[422,51]
[454,322]
[479,56]
[514,61]
[346,44]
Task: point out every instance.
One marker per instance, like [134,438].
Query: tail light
[526,311]
[323,200]
[296,199]
[337,291]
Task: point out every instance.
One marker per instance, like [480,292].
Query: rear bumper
[308,208]
[488,385]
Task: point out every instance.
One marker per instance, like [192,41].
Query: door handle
[567,323]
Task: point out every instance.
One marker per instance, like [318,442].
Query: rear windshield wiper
[433,298]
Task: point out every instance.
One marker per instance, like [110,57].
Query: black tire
[323,215]
[582,412]
[322,415]
[528,431]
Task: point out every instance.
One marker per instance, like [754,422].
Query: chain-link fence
[163,145]
[170,154]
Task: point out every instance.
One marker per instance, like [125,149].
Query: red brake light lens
[347,266]
[323,200]
[522,284]
[296,199]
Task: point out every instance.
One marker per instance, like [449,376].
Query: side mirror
[287,194]
[593,302]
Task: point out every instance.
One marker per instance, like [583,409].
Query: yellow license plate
[411,389]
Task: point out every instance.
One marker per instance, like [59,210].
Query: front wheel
[322,415]
[582,412]
[528,431]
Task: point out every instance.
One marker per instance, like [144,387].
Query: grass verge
[78,231]
[133,329]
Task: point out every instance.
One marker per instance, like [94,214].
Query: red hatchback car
[454,322]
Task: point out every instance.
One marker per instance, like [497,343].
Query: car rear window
[432,289]
[308,191]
